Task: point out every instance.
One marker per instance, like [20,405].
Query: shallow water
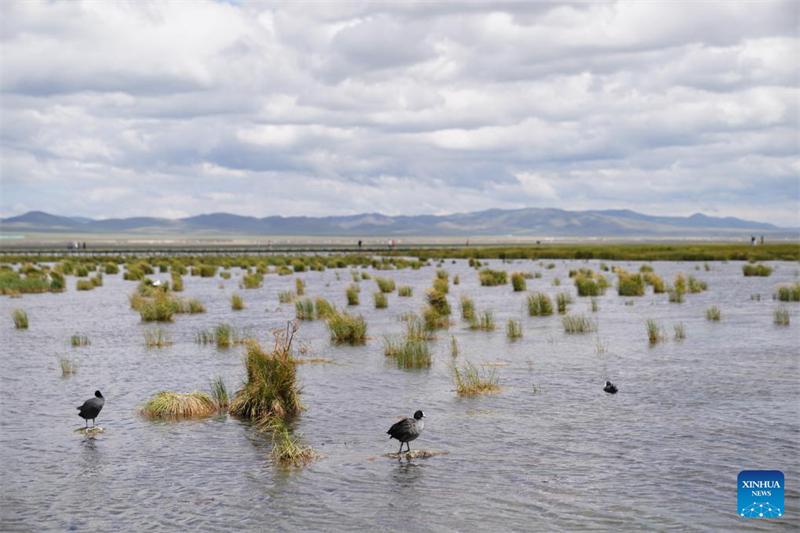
[549,452]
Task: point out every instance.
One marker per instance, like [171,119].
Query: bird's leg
[408,447]
[87,424]
[401,449]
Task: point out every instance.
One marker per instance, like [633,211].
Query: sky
[172,109]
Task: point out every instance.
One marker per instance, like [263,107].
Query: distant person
[753,240]
[467,242]
[762,240]
[84,245]
[359,244]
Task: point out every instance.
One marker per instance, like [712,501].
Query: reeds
[790,293]
[563,299]
[756,270]
[467,308]
[304,309]
[655,332]
[518,282]
[595,305]
[67,365]
[352,294]
[471,381]
[111,268]
[405,291]
[680,331]
[491,278]
[79,339]
[20,318]
[381,301]
[454,348]
[655,281]
[441,285]
[286,297]
[442,274]
[578,324]
[438,301]
[484,321]
[678,289]
[157,338]
[219,393]
[286,450]
[456,280]
[84,285]
[177,282]
[408,352]
[271,387]
[323,308]
[385,285]
[630,284]
[513,329]
[713,313]
[539,304]
[781,316]
[237,304]
[176,405]
[695,285]
[253,281]
[345,327]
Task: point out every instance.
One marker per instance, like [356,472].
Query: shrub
[539,304]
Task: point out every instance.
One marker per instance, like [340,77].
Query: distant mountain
[531,222]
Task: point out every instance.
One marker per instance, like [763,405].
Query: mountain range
[530,222]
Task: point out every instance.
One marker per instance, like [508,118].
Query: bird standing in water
[91,408]
[407,430]
[610,388]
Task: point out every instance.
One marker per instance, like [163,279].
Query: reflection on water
[551,449]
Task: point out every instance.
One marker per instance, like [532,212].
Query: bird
[91,408]
[407,430]
[610,388]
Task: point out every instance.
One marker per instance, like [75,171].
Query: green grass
[434,320]
[381,301]
[518,282]
[111,268]
[654,281]
[84,285]
[655,332]
[678,289]
[405,291]
[323,308]
[513,329]
[484,321]
[304,309]
[756,270]
[286,448]
[68,366]
[286,297]
[345,327]
[695,285]
[409,352]
[157,338]
[454,348]
[175,405]
[713,313]
[442,274]
[790,293]
[79,339]
[385,285]
[563,299]
[219,394]
[578,324]
[456,280]
[352,294]
[97,280]
[418,328]
[781,316]
[237,304]
[253,281]
[467,308]
[438,301]
[441,285]
[20,319]
[271,387]
[471,381]
[630,284]
[177,282]
[491,278]
[11,282]
[595,305]
[590,285]
[539,304]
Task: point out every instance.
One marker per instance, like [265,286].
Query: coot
[610,388]
[407,430]
[91,408]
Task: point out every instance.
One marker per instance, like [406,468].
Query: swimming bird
[610,388]
[407,430]
[91,408]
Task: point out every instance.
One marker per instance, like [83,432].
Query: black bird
[610,388]
[91,408]
[407,430]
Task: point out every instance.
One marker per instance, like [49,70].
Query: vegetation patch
[471,380]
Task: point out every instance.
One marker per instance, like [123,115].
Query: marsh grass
[655,331]
[418,328]
[385,285]
[177,282]
[411,352]
[381,301]
[441,285]
[84,285]
[286,448]
[781,316]
[68,366]
[654,281]
[563,299]
[454,348]
[434,320]
[467,308]
[304,309]
[96,280]
[790,293]
[595,305]
[518,282]
[79,339]
[695,285]
[219,394]
[680,331]
[713,313]
[237,304]
[630,284]
[491,278]
[539,304]
[578,324]
[157,338]
[513,329]
[678,289]
[756,270]
[20,318]
[456,280]
[471,380]
[253,281]
[111,268]
[484,321]
[556,282]
[352,294]
[286,297]
[323,308]
[442,274]
[300,286]
[405,291]
[176,405]
[438,301]
[344,327]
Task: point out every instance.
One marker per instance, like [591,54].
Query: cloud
[131,109]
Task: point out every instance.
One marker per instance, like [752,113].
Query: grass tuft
[781,316]
[405,291]
[473,381]
[578,324]
[345,327]
[237,304]
[756,270]
[518,282]
[539,304]
[655,332]
[467,308]
[491,278]
[483,321]
[381,301]
[157,338]
[352,294]
[79,340]
[304,309]
[514,329]
[680,331]
[20,318]
[713,313]
[176,405]
[67,365]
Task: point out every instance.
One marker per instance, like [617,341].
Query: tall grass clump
[111,268]
[484,321]
[756,270]
[470,380]
[352,294]
[590,285]
[467,308]
[678,289]
[20,319]
[177,282]
[286,448]
[578,324]
[655,332]
[84,285]
[304,309]
[595,305]
[381,302]
[680,331]
[97,280]
[418,328]
[695,285]
[563,299]
[408,352]
[491,278]
[713,313]
[286,297]
[441,285]
[630,284]
[539,304]
[518,282]
[160,308]
[514,329]
[454,349]
[345,327]
[271,386]
[781,316]
[68,366]
[300,286]
[79,339]
[655,281]
[405,291]
[442,274]
[176,405]
[323,308]
[237,304]
[219,394]
[456,280]
[252,281]
[790,293]
[438,301]
[157,338]
[385,285]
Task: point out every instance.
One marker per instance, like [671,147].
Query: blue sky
[114,109]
